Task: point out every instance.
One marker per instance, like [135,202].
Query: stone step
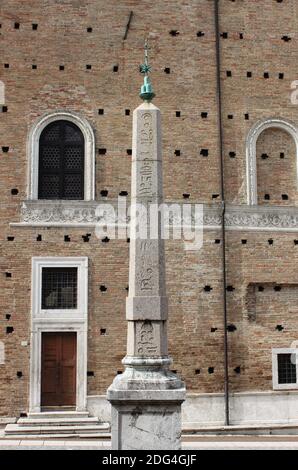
[77,421]
[59,414]
[104,436]
[15,429]
[265,429]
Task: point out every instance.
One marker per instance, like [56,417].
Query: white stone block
[146,180]
[146,338]
[146,308]
[147,275]
[144,426]
[147,133]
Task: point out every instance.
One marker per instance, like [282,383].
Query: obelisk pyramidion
[146,399]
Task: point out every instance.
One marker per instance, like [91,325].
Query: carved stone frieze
[76,213]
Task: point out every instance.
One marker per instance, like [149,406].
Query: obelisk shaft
[146,305]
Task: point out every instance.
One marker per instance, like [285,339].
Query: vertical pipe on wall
[220,132]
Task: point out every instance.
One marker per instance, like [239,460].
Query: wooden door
[58,369]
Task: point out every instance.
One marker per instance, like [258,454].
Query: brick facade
[182,42]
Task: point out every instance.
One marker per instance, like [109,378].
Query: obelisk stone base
[147,425]
[146,406]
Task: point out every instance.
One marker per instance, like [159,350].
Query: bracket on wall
[128,25]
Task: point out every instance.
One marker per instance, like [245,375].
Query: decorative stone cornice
[262,218]
[85,213]
[58,213]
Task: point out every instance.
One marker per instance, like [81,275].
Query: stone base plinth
[146,420]
[146,405]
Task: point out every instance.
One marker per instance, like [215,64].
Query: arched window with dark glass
[61,161]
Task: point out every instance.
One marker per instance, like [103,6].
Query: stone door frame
[59,322]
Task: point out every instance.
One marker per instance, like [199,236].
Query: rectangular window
[284,368]
[59,288]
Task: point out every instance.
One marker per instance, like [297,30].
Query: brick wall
[184,78]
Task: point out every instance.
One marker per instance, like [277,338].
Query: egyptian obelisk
[146,399]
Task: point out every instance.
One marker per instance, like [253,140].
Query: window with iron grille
[61,162]
[286,369]
[59,288]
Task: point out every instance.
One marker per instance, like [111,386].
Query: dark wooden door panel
[58,376]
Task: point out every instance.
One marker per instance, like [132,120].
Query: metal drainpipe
[223,229]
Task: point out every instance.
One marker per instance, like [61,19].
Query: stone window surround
[276,385]
[2,92]
[251,148]
[33,151]
[2,353]
[58,321]
[81,263]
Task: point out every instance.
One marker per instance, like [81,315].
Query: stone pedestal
[146,406]
[147,421]
[146,399]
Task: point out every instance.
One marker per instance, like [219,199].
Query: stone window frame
[57,320]
[251,150]
[33,151]
[2,353]
[38,263]
[2,92]
[275,384]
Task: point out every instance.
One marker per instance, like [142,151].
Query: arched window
[61,157]
[61,161]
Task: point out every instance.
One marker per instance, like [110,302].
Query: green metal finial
[147,93]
